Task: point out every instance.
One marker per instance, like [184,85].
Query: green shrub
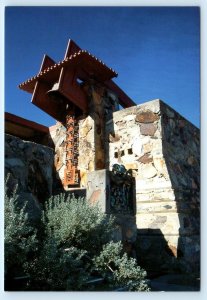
[119,270]
[74,222]
[58,269]
[74,246]
[20,242]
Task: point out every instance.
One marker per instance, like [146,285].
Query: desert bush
[119,270]
[74,222]
[20,241]
[74,245]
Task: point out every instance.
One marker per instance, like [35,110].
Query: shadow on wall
[181,152]
[153,242]
[122,202]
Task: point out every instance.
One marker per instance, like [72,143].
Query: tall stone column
[93,150]
[92,147]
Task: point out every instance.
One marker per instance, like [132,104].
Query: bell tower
[63,91]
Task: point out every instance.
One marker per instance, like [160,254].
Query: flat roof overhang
[25,129]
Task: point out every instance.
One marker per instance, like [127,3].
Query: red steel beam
[124,100]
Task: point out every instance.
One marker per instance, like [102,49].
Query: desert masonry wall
[162,148]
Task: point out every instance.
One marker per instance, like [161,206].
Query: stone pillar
[112,198]
[98,187]
[92,149]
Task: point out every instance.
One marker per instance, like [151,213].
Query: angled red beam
[46,63]
[81,60]
[71,49]
[56,86]
[124,100]
[71,90]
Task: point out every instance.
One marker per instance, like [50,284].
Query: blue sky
[155,51]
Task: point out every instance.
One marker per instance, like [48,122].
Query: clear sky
[155,51]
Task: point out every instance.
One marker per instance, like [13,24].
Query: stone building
[140,163]
[162,149]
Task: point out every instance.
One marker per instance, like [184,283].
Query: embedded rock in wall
[148,129]
[162,148]
[29,166]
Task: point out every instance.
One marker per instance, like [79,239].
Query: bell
[55,95]
[55,88]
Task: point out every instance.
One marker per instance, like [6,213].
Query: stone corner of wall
[171,112]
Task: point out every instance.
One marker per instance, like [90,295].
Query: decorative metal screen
[71,176]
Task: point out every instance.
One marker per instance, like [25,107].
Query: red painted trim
[25,123]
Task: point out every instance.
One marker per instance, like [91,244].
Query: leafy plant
[20,242]
[119,270]
[74,232]
[74,246]
[58,269]
[74,222]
